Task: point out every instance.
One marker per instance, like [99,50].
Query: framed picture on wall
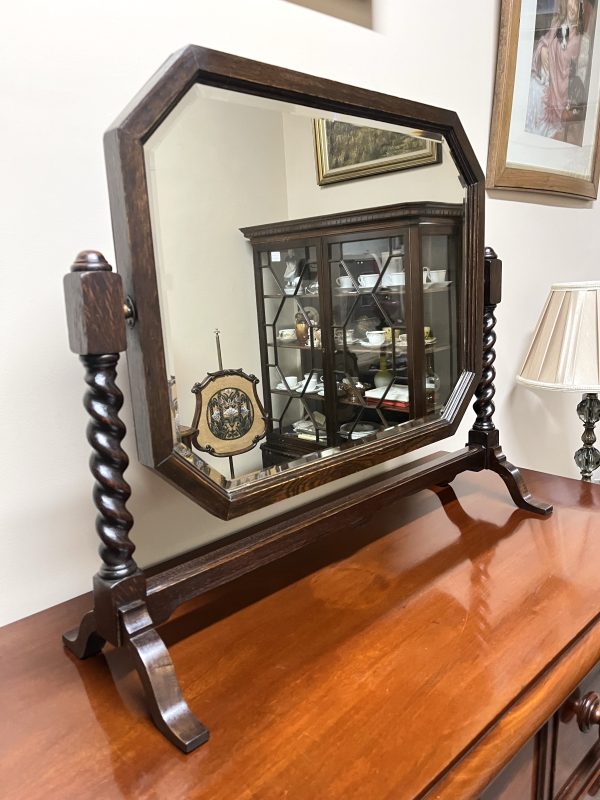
[544,133]
[345,152]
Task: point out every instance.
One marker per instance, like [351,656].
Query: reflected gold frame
[432,154]
[499,174]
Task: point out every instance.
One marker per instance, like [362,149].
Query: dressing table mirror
[332,236]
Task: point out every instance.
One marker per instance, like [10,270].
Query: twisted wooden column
[484,433]
[484,403]
[96,319]
[108,462]
[96,313]
[96,323]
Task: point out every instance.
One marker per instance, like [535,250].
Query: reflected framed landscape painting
[544,133]
[345,151]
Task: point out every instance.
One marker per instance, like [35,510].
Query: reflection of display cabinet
[359,322]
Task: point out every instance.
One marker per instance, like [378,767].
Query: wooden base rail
[128,603]
[261,545]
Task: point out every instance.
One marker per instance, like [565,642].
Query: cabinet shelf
[362,292]
[298,395]
[357,347]
[428,288]
[388,406]
[387,349]
[293,346]
[285,294]
[385,406]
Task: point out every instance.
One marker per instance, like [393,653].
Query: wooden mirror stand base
[128,603]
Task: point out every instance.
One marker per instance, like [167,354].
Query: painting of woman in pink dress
[558,88]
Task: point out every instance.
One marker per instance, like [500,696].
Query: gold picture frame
[345,152]
[545,133]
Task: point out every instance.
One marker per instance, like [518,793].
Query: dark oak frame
[124,147]
[129,603]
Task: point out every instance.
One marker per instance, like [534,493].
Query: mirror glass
[349,319]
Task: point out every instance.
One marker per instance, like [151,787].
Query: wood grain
[95,306]
[407,655]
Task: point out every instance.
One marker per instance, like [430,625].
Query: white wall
[66,70]
[206,178]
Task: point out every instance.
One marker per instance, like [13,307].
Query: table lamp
[565,356]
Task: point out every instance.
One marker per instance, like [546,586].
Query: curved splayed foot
[517,487]
[168,708]
[84,641]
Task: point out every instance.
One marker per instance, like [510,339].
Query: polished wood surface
[409,655]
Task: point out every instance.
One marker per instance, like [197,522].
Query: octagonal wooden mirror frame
[131,214]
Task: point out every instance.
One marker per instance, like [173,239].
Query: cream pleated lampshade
[565,351]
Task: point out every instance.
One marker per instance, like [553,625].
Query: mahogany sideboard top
[409,656]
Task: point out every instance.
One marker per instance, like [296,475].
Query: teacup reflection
[395,279]
[375,337]
[367,280]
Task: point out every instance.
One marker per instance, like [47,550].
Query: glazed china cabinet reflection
[358,320]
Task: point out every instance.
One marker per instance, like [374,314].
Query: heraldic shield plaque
[229,418]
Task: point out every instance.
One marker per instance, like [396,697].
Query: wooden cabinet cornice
[445,646]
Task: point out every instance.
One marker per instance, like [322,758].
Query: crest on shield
[229,418]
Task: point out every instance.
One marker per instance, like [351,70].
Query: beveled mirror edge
[135,262]
[229,503]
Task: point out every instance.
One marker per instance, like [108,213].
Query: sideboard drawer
[577,751]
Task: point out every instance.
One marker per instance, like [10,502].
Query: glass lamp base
[587,457]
